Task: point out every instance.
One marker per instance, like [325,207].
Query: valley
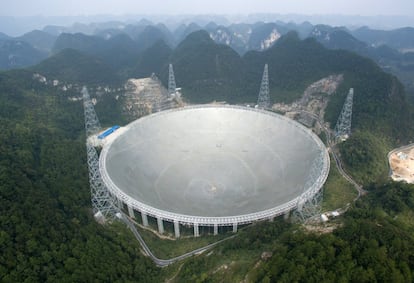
[48,230]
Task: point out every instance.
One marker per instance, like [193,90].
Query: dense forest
[372,246]
[48,233]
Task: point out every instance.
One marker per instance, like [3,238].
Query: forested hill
[72,66]
[152,60]
[47,230]
[208,71]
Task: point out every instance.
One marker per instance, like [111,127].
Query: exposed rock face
[312,103]
[272,38]
[145,96]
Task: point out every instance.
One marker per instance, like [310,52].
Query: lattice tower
[171,80]
[92,125]
[343,126]
[309,208]
[102,202]
[263,100]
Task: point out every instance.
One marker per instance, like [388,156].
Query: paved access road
[341,170]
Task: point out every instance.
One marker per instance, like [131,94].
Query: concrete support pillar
[196,231]
[177,229]
[271,219]
[160,225]
[144,218]
[131,212]
[215,229]
[234,227]
[286,215]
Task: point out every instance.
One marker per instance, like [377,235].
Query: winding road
[331,145]
[341,170]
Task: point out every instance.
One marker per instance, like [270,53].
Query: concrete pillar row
[215,229]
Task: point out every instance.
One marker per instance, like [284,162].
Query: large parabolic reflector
[214,165]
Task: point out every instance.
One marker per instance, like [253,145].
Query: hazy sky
[120,7]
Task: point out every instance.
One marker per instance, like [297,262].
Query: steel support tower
[171,80]
[343,126]
[263,100]
[309,208]
[102,202]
